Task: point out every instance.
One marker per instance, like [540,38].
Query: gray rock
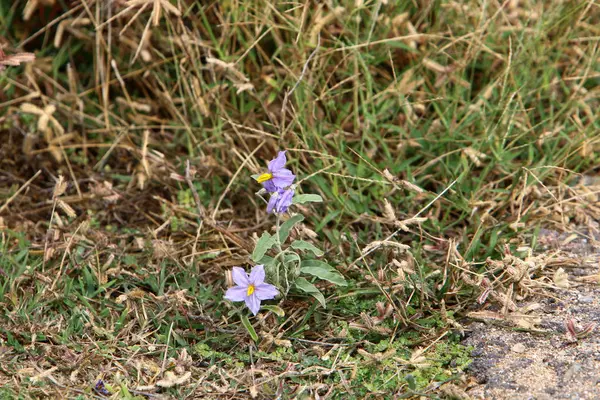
[586,299]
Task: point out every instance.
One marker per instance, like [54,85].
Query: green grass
[493,107]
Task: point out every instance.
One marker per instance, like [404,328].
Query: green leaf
[309,288]
[284,229]
[263,245]
[307,198]
[323,271]
[290,257]
[302,245]
[249,327]
[267,261]
[275,310]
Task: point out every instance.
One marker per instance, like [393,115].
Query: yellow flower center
[250,290]
[264,177]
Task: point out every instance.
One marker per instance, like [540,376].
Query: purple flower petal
[283,178]
[272,202]
[100,388]
[284,201]
[257,275]
[240,277]
[236,293]
[278,162]
[269,186]
[280,177]
[265,291]
[253,303]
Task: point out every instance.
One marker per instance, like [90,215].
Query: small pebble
[586,299]
[572,371]
[519,348]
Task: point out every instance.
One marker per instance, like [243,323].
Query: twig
[164,363]
[289,93]
[188,179]
[202,214]
[305,67]
[62,261]
[375,16]
[400,229]
[19,191]
[76,390]
[214,214]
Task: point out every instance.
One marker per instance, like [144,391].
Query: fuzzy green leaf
[309,288]
[249,327]
[263,245]
[302,245]
[323,271]
[307,198]
[290,257]
[275,310]
[284,229]
[267,261]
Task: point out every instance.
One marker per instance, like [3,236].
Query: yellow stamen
[250,290]
[264,177]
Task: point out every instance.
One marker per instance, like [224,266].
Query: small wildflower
[281,200]
[278,177]
[101,389]
[251,289]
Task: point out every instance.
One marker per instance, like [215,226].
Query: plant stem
[277,233]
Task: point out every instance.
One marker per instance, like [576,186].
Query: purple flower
[278,177]
[251,289]
[101,389]
[281,200]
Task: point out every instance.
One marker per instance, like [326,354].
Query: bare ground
[546,362]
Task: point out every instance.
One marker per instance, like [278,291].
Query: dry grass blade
[445,155]
[14,59]
[21,189]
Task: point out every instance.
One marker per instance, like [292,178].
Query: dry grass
[443,135]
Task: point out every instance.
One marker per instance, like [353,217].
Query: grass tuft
[447,140]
